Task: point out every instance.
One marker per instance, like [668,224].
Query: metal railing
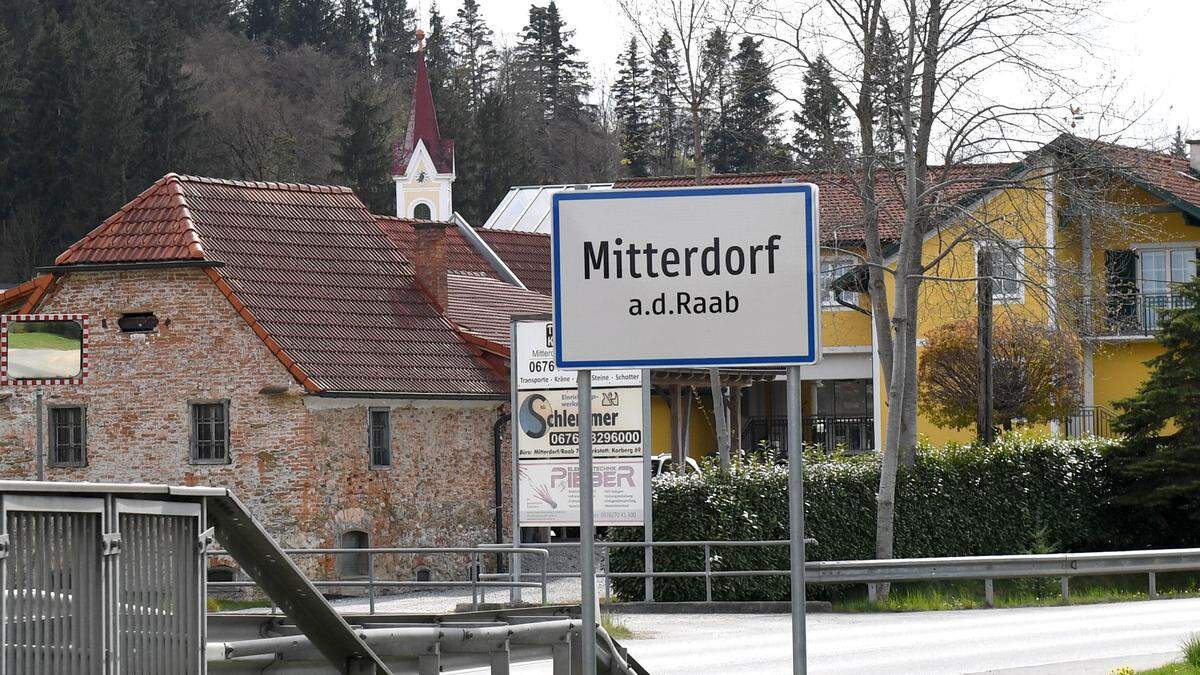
[708,573]
[1129,314]
[851,433]
[475,579]
[1089,421]
[872,572]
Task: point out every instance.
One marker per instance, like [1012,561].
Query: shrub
[1019,495]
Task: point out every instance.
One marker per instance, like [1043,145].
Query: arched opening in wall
[353,564]
[423,574]
[422,212]
[221,573]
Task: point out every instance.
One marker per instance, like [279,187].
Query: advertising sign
[550,492]
[536,369]
[546,426]
[706,276]
[548,421]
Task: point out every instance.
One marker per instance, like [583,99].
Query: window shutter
[1120,271]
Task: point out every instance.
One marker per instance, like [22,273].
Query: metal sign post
[587,526]
[796,519]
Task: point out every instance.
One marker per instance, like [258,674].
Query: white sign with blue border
[679,277]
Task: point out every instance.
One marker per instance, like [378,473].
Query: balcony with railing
[849,434]
[1129,315]
[1093,420]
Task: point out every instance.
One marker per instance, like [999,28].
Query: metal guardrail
[872,572]
[475,580]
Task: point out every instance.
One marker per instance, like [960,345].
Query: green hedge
[1020,495]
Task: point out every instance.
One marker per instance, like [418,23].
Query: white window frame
[1162,247]
[1018,263]
[828,303]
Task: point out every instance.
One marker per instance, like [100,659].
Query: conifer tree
[1179,146]
[171,116]
[822,139]
[665,127]
[753,119]
[889,93]
[629,93]
[552,63]
[110,118]
[51,138]
[262,18]
[363,155]
[438,57]
[1159,461]
[308,22]
[395,40]
[12,97]
[352,33]
[721,143]
[473,52]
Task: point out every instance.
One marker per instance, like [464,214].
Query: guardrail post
[707,575]
[561,656]
[500,661]
[430,663]
[649,566]
[545,565]
[474,588]
[1153,587]
[1066,589]
[371,583]
[989,593]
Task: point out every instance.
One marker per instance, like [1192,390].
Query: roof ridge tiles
[263,185]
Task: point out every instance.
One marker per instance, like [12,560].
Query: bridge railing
[373,583]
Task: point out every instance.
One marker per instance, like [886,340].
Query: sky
[1147,47]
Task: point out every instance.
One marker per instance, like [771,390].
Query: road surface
[1077,639]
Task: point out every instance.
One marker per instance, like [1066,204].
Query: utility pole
[983,413]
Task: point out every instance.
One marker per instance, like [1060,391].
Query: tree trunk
[722,427]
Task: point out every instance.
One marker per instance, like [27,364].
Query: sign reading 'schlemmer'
[703,276]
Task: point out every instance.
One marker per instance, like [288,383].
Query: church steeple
[423,162]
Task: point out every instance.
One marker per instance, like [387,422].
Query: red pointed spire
[422,124]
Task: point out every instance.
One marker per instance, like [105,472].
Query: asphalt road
[1078,639]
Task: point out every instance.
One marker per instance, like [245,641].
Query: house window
[1008,268]
[210,432]
[379,434]
[1165,268]
[422,212]
[68,430]
[351,565]
[831,269]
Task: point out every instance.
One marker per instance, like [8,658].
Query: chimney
[429,260]
[1194,154]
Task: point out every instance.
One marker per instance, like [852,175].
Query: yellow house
[1089,236]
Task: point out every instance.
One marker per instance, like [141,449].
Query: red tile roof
[155,226]
[841,206]
[423,127]
[461,257]
[312,272]
[22,298]
[1170,176]
[485,306]
[527,254]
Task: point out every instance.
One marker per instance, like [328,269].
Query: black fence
[1132,314]
[1089,421]
[851,435]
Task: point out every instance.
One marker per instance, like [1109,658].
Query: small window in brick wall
[68,431]
[210,432]
[138,322]
[379,436]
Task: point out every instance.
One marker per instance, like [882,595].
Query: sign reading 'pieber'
[687,277]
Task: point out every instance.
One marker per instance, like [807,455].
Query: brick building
[342,372]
